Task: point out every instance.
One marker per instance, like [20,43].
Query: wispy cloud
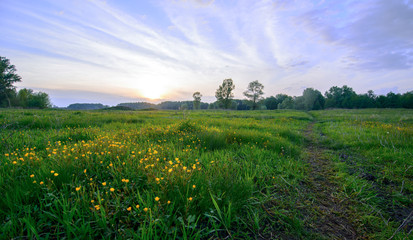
[179,47]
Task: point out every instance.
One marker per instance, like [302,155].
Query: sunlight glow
[152,92]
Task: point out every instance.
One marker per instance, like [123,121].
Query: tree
[23,97]
[39,100]
[271,103]
[8,77]
[197,99]
[407,100]
[337,97]
[312,99]
[224,93]
[29,99]
[254,93]
[393,100]
[287,103]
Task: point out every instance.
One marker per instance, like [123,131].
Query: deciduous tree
[337,97]
[224,93]
[313,99]
[254,93]
[8,77]
[197,99]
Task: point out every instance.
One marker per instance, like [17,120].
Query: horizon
[112,52]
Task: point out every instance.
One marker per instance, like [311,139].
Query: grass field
[206,174]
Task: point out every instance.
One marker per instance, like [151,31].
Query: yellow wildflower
[56,174]
[129,208]
[104,183]
[78,188]
[32,176]
[157,199]
[112,189]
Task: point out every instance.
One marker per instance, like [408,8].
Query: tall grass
[144,175]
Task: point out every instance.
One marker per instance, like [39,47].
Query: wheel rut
[332,214]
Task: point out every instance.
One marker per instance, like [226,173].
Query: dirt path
[332,214]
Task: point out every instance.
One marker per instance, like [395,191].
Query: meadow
[204,174]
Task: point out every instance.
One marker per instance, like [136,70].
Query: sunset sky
[93,51]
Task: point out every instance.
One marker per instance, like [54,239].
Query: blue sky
[121,51]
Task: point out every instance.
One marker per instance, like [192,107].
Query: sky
[113,51]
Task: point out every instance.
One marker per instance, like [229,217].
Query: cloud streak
[179,47]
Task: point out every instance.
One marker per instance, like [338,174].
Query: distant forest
[311,99]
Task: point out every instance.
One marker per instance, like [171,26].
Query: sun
[152,92]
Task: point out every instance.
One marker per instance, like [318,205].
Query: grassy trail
[331,215]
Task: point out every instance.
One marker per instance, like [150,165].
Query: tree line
[24,98]
[311,99]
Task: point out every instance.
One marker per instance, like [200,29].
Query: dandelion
[169,202]
[41,183]
[56,174]
[92,201]
[32,176]
[84,171]
[170,170]
[145,209]
[157,199]
[112,189]
[129,209]
[190,199]
[78,188]
[97,207]
[104,183]
[14,162]
[193,186]
[52,172]
[137,206]
[34,181]
[6,154]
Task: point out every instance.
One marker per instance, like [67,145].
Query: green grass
[194,174]
[143,174]
[373,153]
